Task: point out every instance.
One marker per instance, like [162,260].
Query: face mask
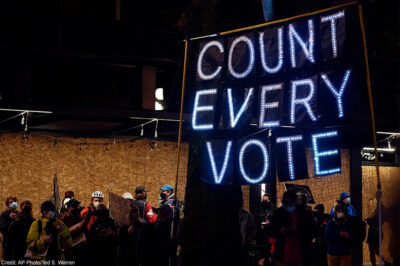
[163,196]
[340,215]
[96,203]
[50,215]
[145,197]
[347,200]
[13,205]
[289,208]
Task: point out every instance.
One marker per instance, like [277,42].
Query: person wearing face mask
[68,196]
[166,195]
[339,234]
[88,213]
[49,237]
[145,210]
[18,231]
[346,201]
[345,198]
[293,229]
[6,219]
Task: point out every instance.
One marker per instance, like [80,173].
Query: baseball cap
[73,202]
[167,188]
[140,189]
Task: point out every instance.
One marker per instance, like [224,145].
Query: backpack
[142,218]
[141,205]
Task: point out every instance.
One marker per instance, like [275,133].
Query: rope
[371,105]
[178,155]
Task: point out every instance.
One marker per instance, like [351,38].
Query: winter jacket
[88,211]
[62,242]
[17,233]
[338,245]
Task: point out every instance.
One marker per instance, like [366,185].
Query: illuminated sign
[250,87]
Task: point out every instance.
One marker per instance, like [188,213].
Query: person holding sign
[49,237]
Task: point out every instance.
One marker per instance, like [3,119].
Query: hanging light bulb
[155,132]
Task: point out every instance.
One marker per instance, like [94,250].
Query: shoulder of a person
[5,213]
[35,223]
[330,222]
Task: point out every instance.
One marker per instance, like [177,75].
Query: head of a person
[320,208]
[97,198]
[101,211]
[266,198]
[141,193]
[48,210]
[345,197]
[73,206]
[26,208]
[127,195]
[166,191]
[340,212]
[301,199]
[69,194]
[65,202]
[289,200]
[11,203]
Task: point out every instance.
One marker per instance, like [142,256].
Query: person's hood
[344,195]
[171,196]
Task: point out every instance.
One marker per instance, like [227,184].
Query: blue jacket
[338,245]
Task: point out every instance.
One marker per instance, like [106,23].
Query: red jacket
[93,218]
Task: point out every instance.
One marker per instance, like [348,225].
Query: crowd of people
[290,235]
[294,234]
[88,235]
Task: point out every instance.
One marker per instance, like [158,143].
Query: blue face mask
[13,205]
[289,208]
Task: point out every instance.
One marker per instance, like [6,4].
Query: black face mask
[163,196]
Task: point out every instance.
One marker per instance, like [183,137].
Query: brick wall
[27,168]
